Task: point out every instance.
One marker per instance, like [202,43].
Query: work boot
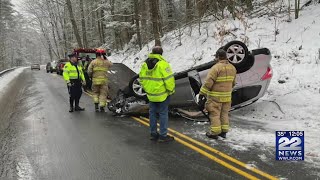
[166,138]
[78,108]
[154,136]
[210,135]
[96,107]
[223,135]
[71,109]
[102,109]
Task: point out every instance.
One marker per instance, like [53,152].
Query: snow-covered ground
[298,98]
[8,78]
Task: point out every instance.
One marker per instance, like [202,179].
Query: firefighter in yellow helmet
[157,79]
[98,71]
[215,95]
[73,75]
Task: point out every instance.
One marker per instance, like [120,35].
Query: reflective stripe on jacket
[157,80]
[70,72]
[98,70]
[219,82]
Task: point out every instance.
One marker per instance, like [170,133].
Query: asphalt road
[44,141]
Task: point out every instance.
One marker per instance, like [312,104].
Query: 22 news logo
[290,145]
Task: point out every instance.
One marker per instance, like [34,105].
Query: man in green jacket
[74,77]
[157,80]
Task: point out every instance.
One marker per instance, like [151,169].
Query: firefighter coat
[219,82]
[98,70]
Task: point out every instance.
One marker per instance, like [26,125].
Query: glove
[201,101]
[84,83]
[69,84]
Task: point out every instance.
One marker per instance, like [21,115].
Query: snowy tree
[124,24]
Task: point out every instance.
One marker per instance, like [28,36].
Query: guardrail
[6,71]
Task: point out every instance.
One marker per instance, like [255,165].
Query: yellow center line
[89,94]
[210,149]
[220,153]
[223,163]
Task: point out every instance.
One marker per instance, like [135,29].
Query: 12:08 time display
[290,133]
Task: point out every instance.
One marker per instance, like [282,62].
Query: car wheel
[238,55]
[136,88]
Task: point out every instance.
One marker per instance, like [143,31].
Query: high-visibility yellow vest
[70,72]
[158,82]
[219,82]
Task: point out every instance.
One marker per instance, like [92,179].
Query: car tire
[47,71]
[136,89]
[238,55]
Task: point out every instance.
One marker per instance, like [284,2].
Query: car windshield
[91,55]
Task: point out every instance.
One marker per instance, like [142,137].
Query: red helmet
[101,51]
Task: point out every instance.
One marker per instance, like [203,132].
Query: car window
[91,55]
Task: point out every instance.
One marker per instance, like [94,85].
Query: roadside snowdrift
[9,90]
[293,104]
[8,78]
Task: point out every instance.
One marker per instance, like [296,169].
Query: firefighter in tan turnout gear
[215,95]
[98,71]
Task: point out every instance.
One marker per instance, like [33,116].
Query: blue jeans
[159,110]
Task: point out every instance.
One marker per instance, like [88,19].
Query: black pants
[75,92]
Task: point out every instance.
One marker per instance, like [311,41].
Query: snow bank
[7,78]
[292,105]
[9,89]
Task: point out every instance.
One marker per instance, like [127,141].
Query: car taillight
[267,75]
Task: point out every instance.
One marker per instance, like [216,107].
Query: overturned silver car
[254,74]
